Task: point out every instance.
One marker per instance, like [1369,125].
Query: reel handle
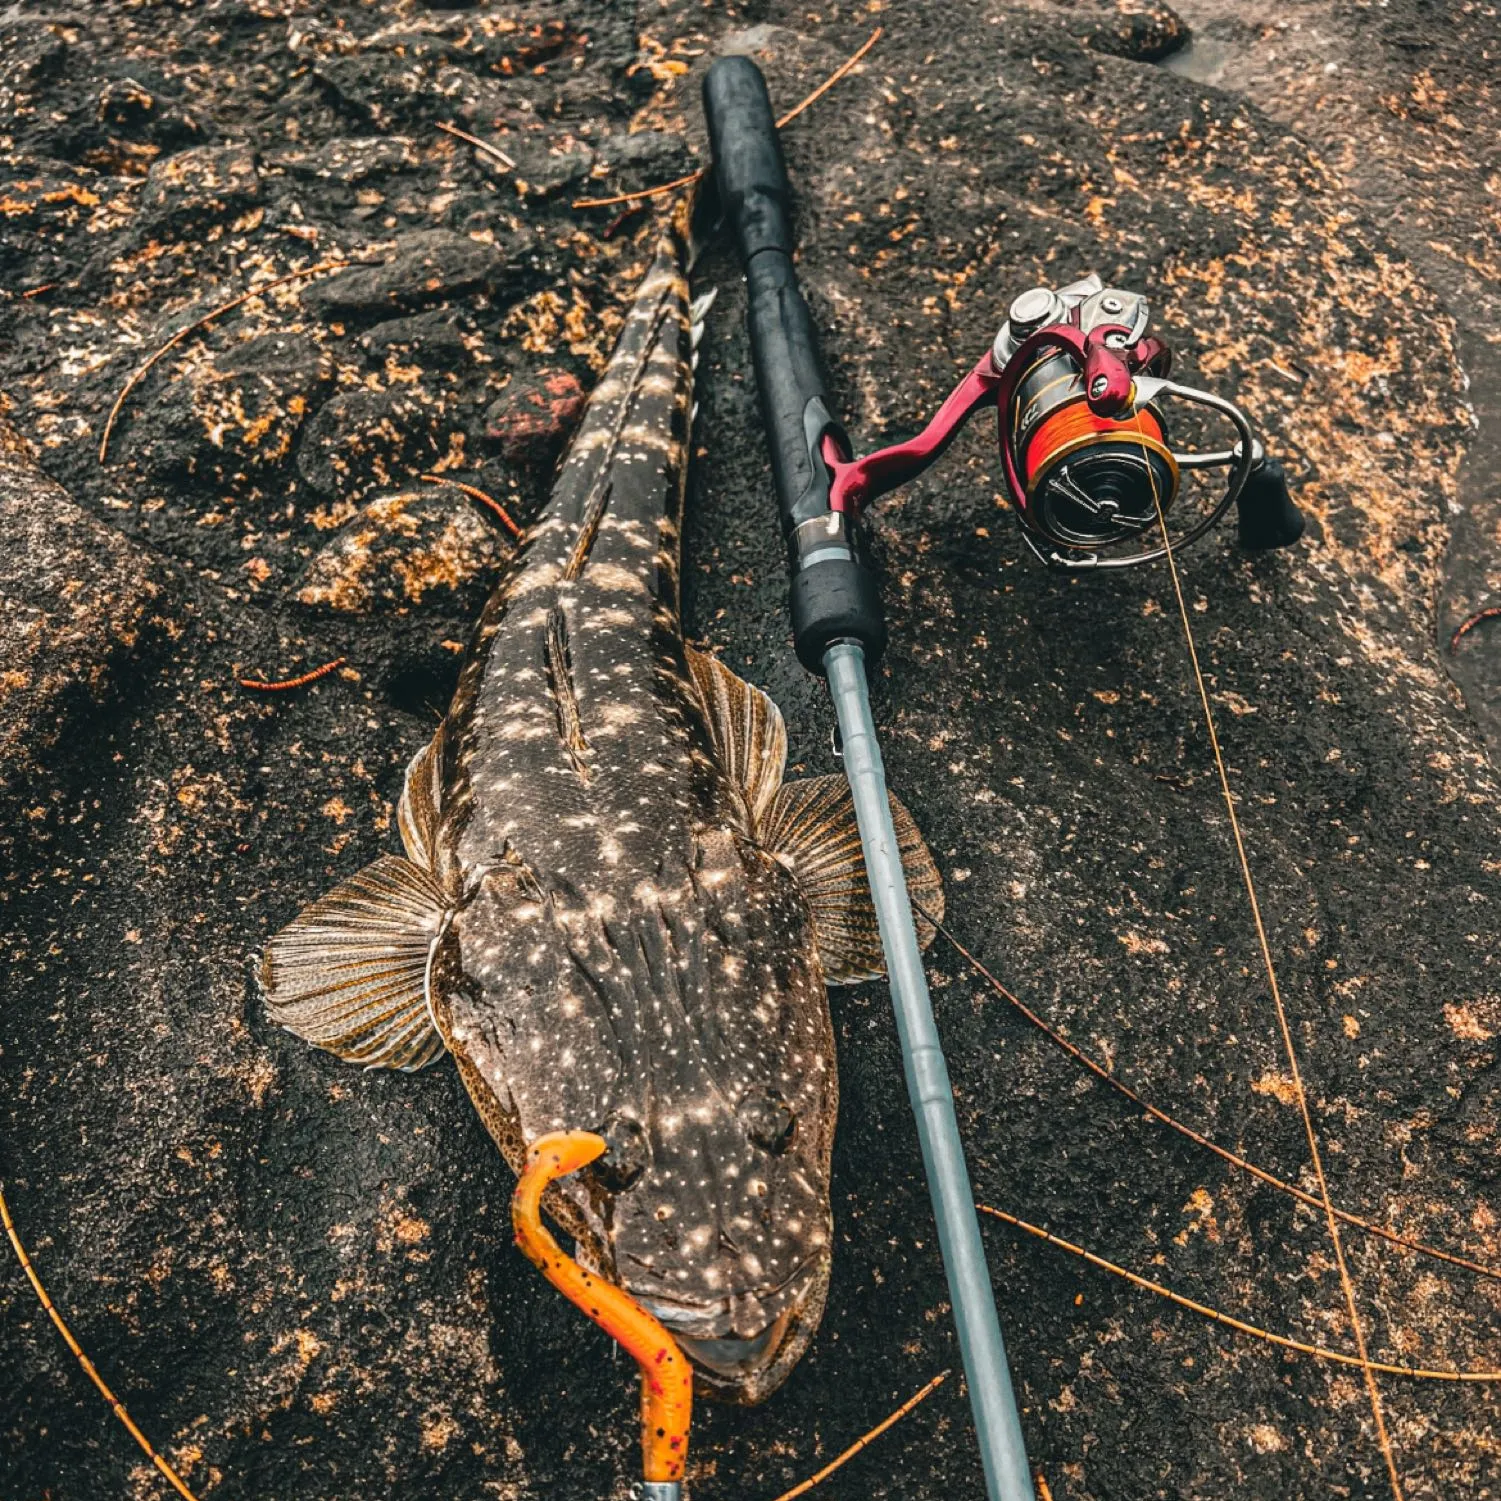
[1267,515]
[833,593]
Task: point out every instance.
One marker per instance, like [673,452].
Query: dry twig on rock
[83,1360]
[692,177]
[479,145]
[203,322]
[869,1438]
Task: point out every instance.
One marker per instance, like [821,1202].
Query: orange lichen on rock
[398,549]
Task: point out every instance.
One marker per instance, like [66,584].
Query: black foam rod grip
[756,198]
[748,167]
[1269,517]
[834,598]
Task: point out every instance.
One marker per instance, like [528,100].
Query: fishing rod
[839,629]
[1079,387]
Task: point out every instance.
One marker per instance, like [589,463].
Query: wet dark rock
[80,607]
[353,159]
[360,438]
[236,416]
[309,36]
[126,104]
[299,1275]
[387,90]
[32,54]
[132,119]
[539,39]
[428,266]
[431,339]
[430,546]
[535,416]
[1142,30]
[543,171]
[44,204]
[643,160]
[362,86]
[197,190]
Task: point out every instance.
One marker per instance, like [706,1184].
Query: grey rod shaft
[997,1423]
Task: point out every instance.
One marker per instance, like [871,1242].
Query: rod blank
[981,1348]
[839,628]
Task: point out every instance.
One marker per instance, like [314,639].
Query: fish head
[689,1027]
[725,1231]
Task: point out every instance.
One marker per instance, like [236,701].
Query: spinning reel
[1088,464]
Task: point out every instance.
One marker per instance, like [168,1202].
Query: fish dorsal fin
[421,803]
[746,726]
[349,973]
[811,829]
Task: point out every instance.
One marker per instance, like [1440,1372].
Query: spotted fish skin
[612,912]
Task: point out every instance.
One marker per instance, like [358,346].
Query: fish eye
[626,1153]
[768,1120]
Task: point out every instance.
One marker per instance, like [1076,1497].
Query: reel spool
[1080,388]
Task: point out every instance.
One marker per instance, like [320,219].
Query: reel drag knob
[1268,515]
[1029,311]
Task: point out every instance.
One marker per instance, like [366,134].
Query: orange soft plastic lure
[666,1377]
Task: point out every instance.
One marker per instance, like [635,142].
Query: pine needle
[89,1369]
[479,145]
[203,322]
[1319,1352]
[869,1438]
[791,115]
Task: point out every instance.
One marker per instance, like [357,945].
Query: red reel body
[1089,469]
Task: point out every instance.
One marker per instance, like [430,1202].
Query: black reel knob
[1269,517]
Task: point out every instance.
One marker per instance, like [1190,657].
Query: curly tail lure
[666,1377]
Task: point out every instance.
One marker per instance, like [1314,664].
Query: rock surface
[402,549]
[533,418]
[298,1276]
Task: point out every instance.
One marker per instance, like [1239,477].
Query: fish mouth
[737,1360]
[747,1368]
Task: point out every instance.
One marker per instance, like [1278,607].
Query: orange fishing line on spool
[666,1377]
[1074,424]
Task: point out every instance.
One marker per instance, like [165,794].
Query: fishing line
[1098,1069]
[89,1369]
[1346,1285]
[1319,1352]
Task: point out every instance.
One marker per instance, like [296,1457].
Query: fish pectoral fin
[350,972]
[421,803]
[746,727]
[811,829]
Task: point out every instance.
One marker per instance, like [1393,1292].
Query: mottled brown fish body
[612,911]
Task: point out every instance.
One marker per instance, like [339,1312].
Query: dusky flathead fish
[612,910]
